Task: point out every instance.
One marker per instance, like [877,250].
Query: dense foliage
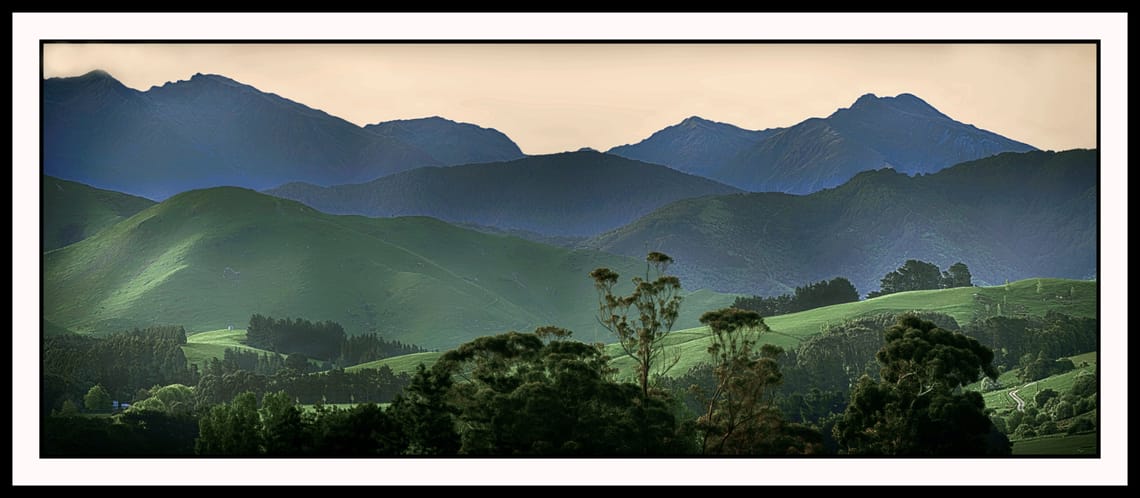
[1055,335]
[326,341]
[379,385]
[917,408]
[320,340]
[504,384]
[121,363]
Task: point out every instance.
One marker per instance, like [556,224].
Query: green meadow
[202,346]
[691,345]
[1057,444]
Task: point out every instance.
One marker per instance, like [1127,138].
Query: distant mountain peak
[584,151]
[217,78]
[96,81]
[435,120]
[425,119]
[206,80]
[208,129]
[909,97]
[906,102]
[98,74]
[465,142]
[95,76]
[694,121]
[865,99]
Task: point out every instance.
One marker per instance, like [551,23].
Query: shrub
[1084,385]
[1083,424]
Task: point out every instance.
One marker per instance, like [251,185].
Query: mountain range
[902,132]
[212,131]
[854,194]
[1008,217]
[579,193]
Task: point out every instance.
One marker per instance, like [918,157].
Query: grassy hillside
[961,304]
[202,346]
[400,364]
[1008,217]
[208,259]
[788,330]
[74,211]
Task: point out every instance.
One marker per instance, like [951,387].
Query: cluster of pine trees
[325,341]
[122,363]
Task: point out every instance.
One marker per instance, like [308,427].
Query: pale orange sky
[556,97]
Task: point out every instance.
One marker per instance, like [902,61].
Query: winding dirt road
[1020,402]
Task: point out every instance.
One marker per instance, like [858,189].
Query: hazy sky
[556,97]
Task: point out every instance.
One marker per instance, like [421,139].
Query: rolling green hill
[961,304]
[74,211]
[788,330]
[208,259]
[400,364]
[202,346]
[1007,217]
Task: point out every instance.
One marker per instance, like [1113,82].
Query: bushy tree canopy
[912,275]
[958,275]
[531,394]
[916,408]
[97,399]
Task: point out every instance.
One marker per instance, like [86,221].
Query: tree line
[324,341]
[920,275]
[122,363]
[815,295]
[912,275]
